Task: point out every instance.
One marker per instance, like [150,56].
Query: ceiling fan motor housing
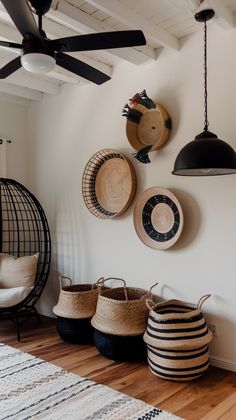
[33,45]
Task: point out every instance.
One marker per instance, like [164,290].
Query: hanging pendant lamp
[206,155]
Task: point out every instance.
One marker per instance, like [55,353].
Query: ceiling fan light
[38,62]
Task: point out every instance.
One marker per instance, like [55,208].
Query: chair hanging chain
[205,78]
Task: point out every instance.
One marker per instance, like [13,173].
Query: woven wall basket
[153,129]
[109,184]
[177,325]
[175,365]
[77,301]
[122,311]
[148,126]
[158,218]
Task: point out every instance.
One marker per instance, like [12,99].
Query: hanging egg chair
[24,231]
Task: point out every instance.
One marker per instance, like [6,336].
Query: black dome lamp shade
[206,155]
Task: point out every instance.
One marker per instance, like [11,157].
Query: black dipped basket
[74,309]
[120,321]
[120,348]
[75,331]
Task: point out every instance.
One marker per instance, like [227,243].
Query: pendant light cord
[205,78]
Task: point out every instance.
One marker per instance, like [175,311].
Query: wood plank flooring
[212,397]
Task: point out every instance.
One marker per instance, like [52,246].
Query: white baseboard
[223,364]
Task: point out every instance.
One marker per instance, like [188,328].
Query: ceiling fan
[40,54]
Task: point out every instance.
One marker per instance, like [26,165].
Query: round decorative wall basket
[109,184]
[158,218]
[148,126]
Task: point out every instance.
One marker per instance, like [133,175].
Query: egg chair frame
[24,231]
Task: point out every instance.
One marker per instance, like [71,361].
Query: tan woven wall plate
[158,218]
[153,128]
[109,184]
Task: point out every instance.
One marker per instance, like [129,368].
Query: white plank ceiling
[164,23]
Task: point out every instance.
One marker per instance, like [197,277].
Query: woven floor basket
[122,311]
[177,325]
[77,301]
[177,339]
[182,365]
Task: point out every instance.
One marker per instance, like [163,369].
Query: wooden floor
[208,398]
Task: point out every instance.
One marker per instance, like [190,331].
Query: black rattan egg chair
[24,231]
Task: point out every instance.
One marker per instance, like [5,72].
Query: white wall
[14,127]
[67,129]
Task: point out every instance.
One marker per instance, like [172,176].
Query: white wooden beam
[20,91]
[223,15]
[24,78]
[9,33]
[123,14]
[194,3]
[13,99]
[79,21]
[133,55]
[64,76]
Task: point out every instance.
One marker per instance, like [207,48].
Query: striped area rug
[31,388]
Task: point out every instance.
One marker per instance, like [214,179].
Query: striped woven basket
[177,325]
[177,339]
[178,365]
[122,311]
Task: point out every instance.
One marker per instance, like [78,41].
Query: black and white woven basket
[178,365]
[177,339]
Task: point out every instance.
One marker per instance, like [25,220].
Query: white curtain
[3,158]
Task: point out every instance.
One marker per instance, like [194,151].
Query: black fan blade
[100,41]
[10,68]
[10,44]
[81,69]
[22,16]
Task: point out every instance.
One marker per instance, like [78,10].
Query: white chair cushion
[17,272]
[12,296]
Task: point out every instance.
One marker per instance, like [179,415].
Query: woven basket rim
[176,301]
[123,302]
[113,300]
[175,315]
[70,289]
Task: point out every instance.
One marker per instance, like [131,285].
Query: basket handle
[149,293]
[98,283]
[152,287]
[116,278]
[150,304]
[202,300]
[61,278]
